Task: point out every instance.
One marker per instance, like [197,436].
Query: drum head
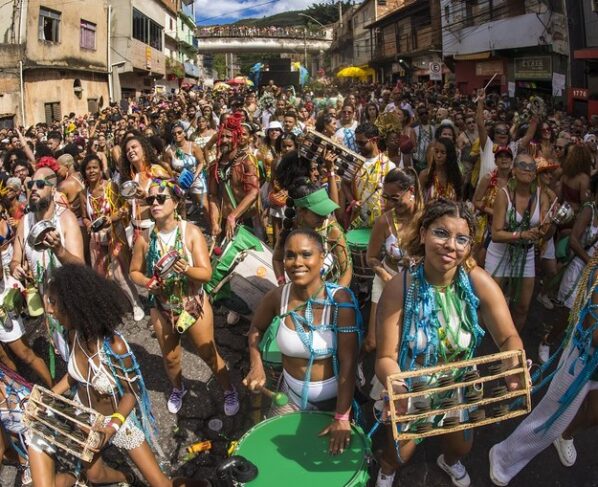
[164,266]
[359,237]
[288,447]
[128,189]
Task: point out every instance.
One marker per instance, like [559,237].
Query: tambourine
[128,189]
[98,224]
[38,232]
[564,214]
[164,266]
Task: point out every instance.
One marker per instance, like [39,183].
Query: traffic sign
[435,71]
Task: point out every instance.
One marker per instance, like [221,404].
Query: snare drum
[357,241]
[245,268]
[288,451]
[165,266]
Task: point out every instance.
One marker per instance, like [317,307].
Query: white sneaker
[385,480]
[566,450]
[175,401]
[457,472]
[232,318]
[544,301]
[231,402]
[138,313]
[493,477]
[543,352]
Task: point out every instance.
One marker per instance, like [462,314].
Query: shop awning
[589,53]
[476,56]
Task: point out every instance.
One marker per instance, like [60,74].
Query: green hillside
[282,19]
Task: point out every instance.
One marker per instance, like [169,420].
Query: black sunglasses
[160,198]
[38,183]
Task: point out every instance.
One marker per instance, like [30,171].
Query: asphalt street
[204,402]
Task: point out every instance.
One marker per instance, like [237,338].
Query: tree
[220,65]
[325,12]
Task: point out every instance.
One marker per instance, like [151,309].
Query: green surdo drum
[288,451]
[357,241]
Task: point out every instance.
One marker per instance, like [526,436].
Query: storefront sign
[533,67]
[148,57]
[489,68]
[579,93]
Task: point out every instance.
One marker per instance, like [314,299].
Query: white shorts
[549,252]
[200,185]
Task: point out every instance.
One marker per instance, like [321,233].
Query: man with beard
[233,184]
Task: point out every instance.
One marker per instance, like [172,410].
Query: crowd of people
[254,31]
[459,211]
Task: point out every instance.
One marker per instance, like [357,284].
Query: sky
[209,12]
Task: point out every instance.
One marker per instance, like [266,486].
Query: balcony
[175,68]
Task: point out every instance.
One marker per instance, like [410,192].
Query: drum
[242,274]
[288,447]
[357,241]
[13,389]
[128,189]
[38,232]
[164,266]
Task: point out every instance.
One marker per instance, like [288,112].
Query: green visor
[318,202]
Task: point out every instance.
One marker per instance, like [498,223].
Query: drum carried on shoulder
[242,273]
[287,450]
[357,241]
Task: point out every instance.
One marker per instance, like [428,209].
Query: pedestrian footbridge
[240,39]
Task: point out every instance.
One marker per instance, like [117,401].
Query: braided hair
[301,187]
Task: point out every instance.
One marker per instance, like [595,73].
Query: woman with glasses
[103,214]
[518,224]
[179,304]
[403,204]
[428,315]
[443,177]
[182,155]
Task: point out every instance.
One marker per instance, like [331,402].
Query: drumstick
[278,398]
[487,85]
[549,211]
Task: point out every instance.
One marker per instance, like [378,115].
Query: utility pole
[305,46]
[340,14]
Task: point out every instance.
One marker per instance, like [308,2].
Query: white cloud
[221,9]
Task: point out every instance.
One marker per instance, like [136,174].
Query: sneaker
[493,477]
[545,301]
[385,480]
[566,450]
[232,318]
[543,352]
[457,472]
[175,401]
[138,313]
[231,402]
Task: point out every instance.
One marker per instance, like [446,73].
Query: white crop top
[290,343]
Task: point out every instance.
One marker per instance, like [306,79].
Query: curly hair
[578,160]
[95,306]
[85,163]
[291,167]
[453,173]
[148,152]
[436,209]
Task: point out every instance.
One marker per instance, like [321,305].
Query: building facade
[519,47]
[407,40]
[583,36]
[53,59]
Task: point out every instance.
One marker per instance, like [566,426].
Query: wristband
[114,425]
[342,417]
[514,235]
[118,416]
[281,280]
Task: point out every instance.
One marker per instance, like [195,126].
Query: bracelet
[342,417]
[118,416]
[514,235]
[114,425]
[281,280]
[331,173]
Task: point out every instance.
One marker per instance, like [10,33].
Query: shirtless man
[233,185]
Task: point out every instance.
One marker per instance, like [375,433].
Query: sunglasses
[559,147]
[160,198]
[527,167]
[395,198]
[38,183]
[177,132]
[501,132]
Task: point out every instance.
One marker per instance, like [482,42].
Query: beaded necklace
[175,285]
[304,326]
[422,308]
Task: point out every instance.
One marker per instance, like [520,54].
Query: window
[49,25]
[52,111]
[92,105]
[146,30]
[88,35]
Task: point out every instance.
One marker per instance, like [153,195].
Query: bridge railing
[251,31]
